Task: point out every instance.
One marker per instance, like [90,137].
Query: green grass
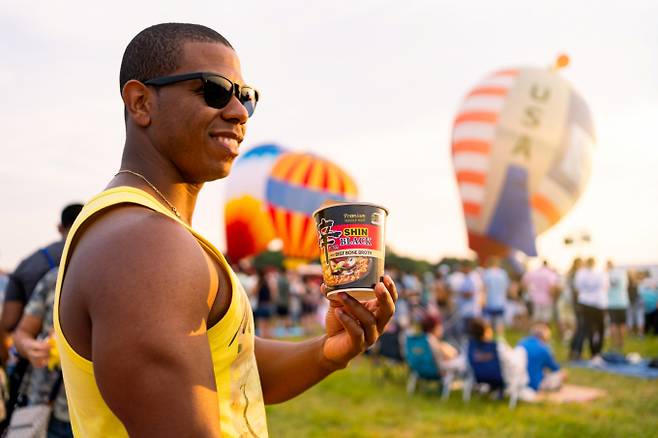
[356,403]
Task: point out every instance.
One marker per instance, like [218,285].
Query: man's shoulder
[135,241]
[136,226]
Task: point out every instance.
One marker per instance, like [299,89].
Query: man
[496,283]
[617,304]
[29,271]
[466,286]
[156,334]
[540,357]
[592,289]
[541,284]
[33,341]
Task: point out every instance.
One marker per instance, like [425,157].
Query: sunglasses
[217,90]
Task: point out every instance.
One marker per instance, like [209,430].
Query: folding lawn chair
[423,366]
[485,369]
[387,353]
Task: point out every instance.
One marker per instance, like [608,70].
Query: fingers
[353,329]
[386,305]
[390,286]
[364,317]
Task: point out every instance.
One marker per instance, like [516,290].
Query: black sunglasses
[217,90]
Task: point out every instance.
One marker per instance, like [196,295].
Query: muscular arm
[146,288]
[287,369]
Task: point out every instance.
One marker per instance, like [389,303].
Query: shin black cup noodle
[351,238]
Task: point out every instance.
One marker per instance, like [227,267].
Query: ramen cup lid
[327,204]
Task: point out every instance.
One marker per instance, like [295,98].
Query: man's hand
[37,352]
[352,326]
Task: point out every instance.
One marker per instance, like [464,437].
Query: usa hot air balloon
[247,220]
[522,146]
[298,185]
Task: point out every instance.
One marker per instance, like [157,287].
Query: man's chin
[221,172]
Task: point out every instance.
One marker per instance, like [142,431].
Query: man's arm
[288,368]
[25,339]
[147,292]
[11,314]
[31,324]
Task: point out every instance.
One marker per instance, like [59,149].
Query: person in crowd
[19,289]
[23,279]
[265,307]
[310,302]
[592,299]
[248,278]
[155,335]
[516,310]
[465,285]
[540,358]
[4,279]
[648,291]
[513,361]
[33,340]
[635,314]
[447,357]
[617,304]
[283,300]
[297,294]
[541,284]
[442,291]
[496,284]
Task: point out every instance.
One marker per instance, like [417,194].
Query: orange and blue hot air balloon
[247,221]
[298,185]
[522,146]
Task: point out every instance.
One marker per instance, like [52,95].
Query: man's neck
[163,175]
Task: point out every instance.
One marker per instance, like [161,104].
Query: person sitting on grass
[447,357]
[540,357]
[513,361]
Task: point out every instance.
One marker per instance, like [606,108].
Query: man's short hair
[69,213]
[156,51]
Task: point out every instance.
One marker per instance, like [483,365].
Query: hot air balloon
[298,185]
[522,145]
[247,221]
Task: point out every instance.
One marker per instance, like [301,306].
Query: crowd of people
[466,302]
[469,305]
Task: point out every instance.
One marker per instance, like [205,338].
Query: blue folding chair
[387,353]
[485,368]
[423,366]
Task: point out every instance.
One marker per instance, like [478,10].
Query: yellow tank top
[239,394]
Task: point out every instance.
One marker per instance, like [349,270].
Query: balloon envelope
[247,221]
[298,185]
[521,146]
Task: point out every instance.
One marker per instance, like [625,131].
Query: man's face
[199,140]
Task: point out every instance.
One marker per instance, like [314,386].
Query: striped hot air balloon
[298,185]
[522,144]
[247,221]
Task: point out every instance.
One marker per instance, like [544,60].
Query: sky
[373,85]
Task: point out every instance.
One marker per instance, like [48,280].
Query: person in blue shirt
[617,304]
[540,357]
[496,282]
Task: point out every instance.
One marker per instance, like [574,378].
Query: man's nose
[235,111]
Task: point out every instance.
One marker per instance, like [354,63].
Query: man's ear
[138,102]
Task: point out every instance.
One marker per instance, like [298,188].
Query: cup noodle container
[351,239]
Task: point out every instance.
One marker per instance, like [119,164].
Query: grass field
[356,403]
